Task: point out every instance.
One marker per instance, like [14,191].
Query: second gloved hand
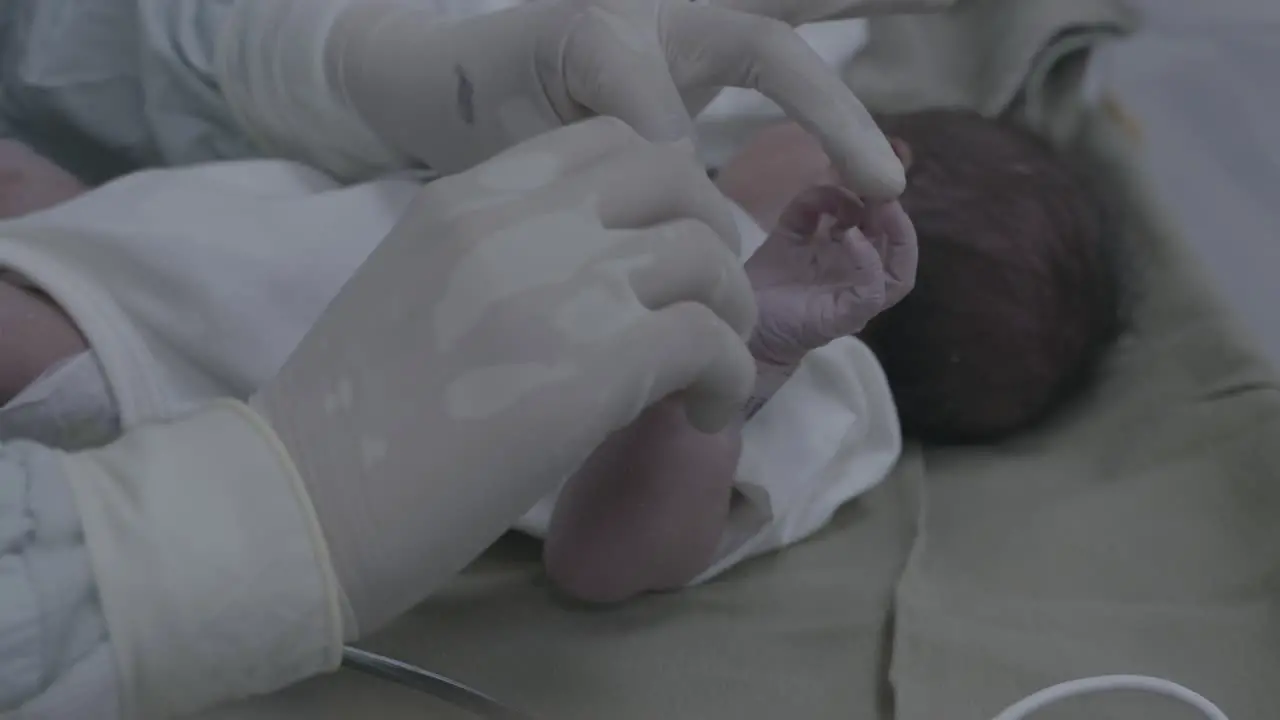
[518,314]
[451,94]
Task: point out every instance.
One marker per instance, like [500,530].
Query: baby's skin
[647,510]
[29,183]
[34,332]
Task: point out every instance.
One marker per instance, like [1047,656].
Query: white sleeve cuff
[213,573]
[271,68]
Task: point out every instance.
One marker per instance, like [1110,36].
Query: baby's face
[29,183]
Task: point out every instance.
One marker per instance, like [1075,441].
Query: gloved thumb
[698,356]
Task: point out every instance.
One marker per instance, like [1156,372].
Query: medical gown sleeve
[175,569]
[103,87]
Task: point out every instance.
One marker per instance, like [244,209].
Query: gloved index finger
[900,251]
[728,48]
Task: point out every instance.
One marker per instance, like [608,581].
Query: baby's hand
[830,265]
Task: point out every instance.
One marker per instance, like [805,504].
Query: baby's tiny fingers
[899,250]
[863,294]
[861,263]
[803,215]
[853,308]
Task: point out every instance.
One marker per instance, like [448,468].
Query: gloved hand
[803,12]
[518,314]
[453,94]
[830,265]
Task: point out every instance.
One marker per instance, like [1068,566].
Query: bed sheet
[1201,84]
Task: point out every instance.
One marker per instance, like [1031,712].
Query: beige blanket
[1137,533]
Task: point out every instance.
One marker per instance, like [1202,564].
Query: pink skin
[29,183]
[34,332]
[647,510]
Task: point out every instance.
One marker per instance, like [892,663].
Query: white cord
[1110,683]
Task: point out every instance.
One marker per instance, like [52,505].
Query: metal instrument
[410,676]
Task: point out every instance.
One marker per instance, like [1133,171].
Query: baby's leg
[646,511]
[649,507]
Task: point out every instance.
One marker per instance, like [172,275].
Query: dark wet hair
[1016,294]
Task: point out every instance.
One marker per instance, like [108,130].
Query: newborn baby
[1015,297]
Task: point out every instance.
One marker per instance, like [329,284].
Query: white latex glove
[803,12]
[518,314]
[454,93]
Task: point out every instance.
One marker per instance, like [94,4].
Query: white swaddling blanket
[198,282]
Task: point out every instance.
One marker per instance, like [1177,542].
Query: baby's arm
[648,509]
[34,335]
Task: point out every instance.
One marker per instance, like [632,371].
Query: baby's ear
[902,150]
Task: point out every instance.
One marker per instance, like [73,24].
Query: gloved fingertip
[885,179]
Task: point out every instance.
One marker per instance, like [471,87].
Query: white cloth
[207,289]
[69,407]
[103,86]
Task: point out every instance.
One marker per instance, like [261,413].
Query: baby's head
[1015,296]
